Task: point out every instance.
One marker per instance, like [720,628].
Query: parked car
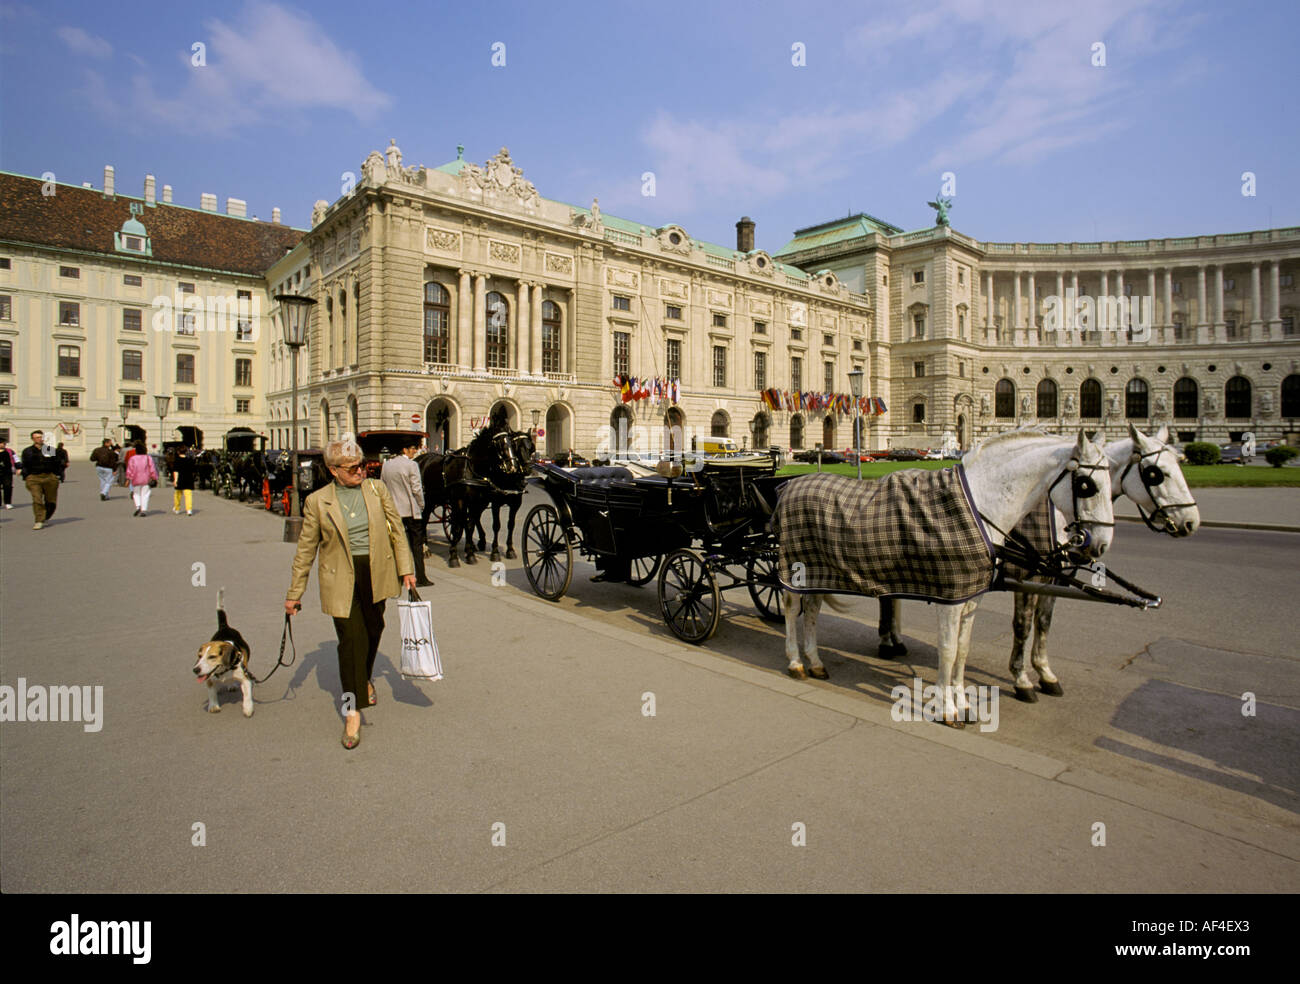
[905,454]
[571,459]
[933,454]
[828,457]
[1230,454]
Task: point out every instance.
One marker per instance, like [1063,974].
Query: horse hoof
[1027,695]
[496,557]
[471,559]
[891,651]
[453,562]
[959,725]
[818,673]
[797,672]
[1051,689]
[510,553]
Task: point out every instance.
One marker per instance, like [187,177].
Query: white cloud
[83,43]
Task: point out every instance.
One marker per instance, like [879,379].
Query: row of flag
[657,390]
[839,403]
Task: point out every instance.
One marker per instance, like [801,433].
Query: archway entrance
[559,430]
[674,429]
[442,425]
[761,428]
[512,415]
[828,432]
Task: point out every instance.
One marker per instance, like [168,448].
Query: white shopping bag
[420,658]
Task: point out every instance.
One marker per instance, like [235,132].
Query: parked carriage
[702,532]
[378,446]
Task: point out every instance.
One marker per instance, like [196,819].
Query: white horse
[1007,476]
[1146,470]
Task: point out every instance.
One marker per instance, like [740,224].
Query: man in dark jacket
[41,476]
[105,459]
[62,454]
[6,476]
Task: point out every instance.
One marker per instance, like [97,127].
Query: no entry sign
[415,418]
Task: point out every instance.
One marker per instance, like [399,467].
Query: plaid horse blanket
[1039,529]
[911,534]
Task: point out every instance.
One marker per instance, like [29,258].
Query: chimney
[275,215]
[87,184]
[167,194]
[208,202]
[236,207]
[108,180]
[745,234]
[150,190]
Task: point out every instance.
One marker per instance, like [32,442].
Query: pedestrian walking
[402,477]
[105,459]
[183,482]
[142,474]
[8,465]
[62,455]
[354,526]
[41,476]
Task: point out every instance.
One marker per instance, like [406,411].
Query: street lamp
[855,387]
[124,409]
[161,403]
[537,415]
[103,422]
[294,313]
[397,419]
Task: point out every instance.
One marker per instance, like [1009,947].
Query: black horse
[465,483]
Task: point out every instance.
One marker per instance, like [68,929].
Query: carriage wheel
[644,569]
[548,555]
[266,493]
[764,588]
[689,599]
[442,515]
[285,501]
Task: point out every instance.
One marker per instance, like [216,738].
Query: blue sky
[1044,145]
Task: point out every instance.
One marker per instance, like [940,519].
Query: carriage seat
[601,475]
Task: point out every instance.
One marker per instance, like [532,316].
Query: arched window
[1047,398]
[1187,399]
[1135,399]
[1090,399]
[1291,396]
[551,328]
[1236,398]
[498,331]
[828,432]
[759,427]
[1005,398]
[437,323]
[620,425]
[796,431]
[719,425]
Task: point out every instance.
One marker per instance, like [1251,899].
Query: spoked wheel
[689,599]
[285,501]
[644,569]
[441,515]
[266,493]
[548,555]
[761,573]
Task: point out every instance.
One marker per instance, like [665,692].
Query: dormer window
[132,238]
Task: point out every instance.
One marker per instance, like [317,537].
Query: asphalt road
[541,727]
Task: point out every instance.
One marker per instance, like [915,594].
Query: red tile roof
[83,219]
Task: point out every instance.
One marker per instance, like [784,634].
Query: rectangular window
[132,319]
[828,340]
[1128,290]
[719,365]
[72,273]
[69,313]
[244,331]
[760,370]
[760,327]
[243,372]
[4,402]
[796,334]
[551,328]
[918,276]
[4,263]
[673,312]
[185,324]
[918,413]
[185,288]
[622,303]
[918,326]
[622,359]
[828,377]
[6,308]
[719,321]
[961,324]
[132,280]
[244,324]
[1229,283]
[243,406]
[1179,332]
[796,373]
[918,369]
[961,275]
[69,360]
[185,403]
[184,367]
[961,369]
[1230,327]
[857,345]
[1178,287]
[6,356]
[1286,280]
[132,364]
[673,359]
[69,399]
[1288,327]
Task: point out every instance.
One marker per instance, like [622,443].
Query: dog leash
[286,635]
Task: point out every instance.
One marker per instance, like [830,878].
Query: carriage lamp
[161,403]
[294,313]
[855,387]
[103,422]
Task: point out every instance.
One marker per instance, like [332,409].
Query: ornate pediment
[673,239]
[760,263]
[501,181]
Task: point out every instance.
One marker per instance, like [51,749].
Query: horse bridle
[1082,487]
[1152,476]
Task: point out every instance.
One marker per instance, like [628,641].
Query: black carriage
[378,446]
[702,532]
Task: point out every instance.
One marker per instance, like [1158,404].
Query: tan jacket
[323,528]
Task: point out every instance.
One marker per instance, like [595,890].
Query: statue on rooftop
[941,205]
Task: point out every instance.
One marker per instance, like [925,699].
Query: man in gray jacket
[402,477]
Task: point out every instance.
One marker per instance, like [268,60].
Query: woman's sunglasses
[351,469]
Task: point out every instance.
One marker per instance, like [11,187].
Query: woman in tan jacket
[363,551]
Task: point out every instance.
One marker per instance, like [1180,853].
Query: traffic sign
[415,418]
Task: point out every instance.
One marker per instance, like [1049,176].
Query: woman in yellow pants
[183,482]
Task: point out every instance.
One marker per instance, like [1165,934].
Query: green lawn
[1198,476]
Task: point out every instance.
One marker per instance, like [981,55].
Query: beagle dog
[226,652]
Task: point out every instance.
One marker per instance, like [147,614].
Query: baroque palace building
[443,293]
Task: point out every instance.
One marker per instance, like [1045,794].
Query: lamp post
[124,409]
[294,313]
[161,403]
[537,415]
[397,419]
[103,422]
[855,387]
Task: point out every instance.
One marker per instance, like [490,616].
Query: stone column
[1103,310]
[464,319]
[1168,323]
[535,345]
[1061,309]
[1122,321]
[1033,310]
[1202,322]
[1256,309]
[1018,333]
[1075,337]
[1274,301]
[1220,327]
[990,324]
[519,337]
[480,321]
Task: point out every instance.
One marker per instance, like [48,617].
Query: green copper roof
[840,230]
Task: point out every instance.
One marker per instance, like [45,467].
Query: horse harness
[1083,487]
[1152,476]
